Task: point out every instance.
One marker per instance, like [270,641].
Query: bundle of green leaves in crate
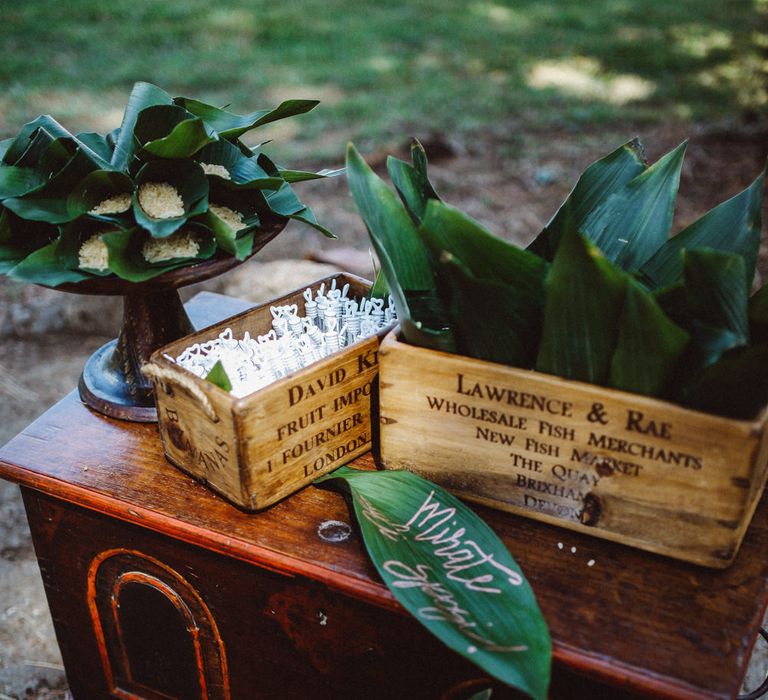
[602,294]
[172,186]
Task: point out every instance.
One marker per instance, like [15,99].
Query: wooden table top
[635,619]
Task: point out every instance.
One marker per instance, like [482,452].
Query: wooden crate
[260,448]
[620,466]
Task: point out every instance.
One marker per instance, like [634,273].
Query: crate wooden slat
[620,466]
[258,449]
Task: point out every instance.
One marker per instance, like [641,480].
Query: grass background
[387,70]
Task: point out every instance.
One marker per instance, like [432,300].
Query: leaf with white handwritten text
[452,573]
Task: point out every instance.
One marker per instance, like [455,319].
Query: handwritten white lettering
[445,608]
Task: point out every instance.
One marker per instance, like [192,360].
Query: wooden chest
[620,466]
[257,449]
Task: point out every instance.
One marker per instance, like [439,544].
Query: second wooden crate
[620,466]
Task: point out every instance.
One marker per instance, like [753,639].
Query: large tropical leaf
[169,131]
[389,223]
[18,238]
[238,243]
[48,202]
[596,184]
[142,95]
[758,316]
[584,298]
[244,172]
[47,266]
[412,182]
[715,291]
[95,188]
[649,345]
[493,321]
[734,226]
[306,216]
[487,256]
[232,126]
[16,181]
[496,290]
[633,223]
[97,143]
[304,175]
[412,305]
[284,203]
[404,258]
[187,178]
[127,261]
[437,557]
[736,386]
[53,131]
[73,235]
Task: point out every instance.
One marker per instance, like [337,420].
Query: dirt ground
[510,182]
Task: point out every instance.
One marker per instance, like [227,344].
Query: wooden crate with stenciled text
[260,448]
[628,468]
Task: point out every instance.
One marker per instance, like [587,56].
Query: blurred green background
[385,70]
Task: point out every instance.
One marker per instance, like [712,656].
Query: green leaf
[19,146]
[635,221]
[414,305]
[404,258]
[127,261]
[48,202]
[412,182]
[649,345]
[72,238]
[493,321]
[218,376]
[715,292]
[96,187]
[496,290]
[389,223]
[15,181]
[232,126]
[758,316]
[302,175]
[379,289]
[584,297]
[18,238]
[187,178]
[168,131]
[419,159]
[307,216]
[142,95]
[47,154]
[485,255]
[244,172]
[50,130]
[97,143]
[452,573]
[733,226]
[600,180]
[736,386]
[5,144]
[46,266]
[237,243]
